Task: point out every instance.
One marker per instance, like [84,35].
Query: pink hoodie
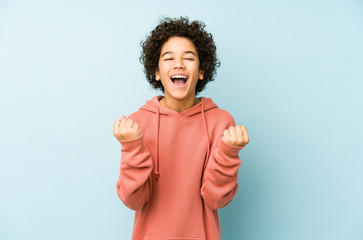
[178,172]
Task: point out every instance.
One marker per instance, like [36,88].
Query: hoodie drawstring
[207,138]
[157,173]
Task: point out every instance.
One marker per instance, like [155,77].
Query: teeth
[180,76]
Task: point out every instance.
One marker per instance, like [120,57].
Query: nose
[179,64]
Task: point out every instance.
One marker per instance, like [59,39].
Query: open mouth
[179,80]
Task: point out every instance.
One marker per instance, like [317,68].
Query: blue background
[291,72]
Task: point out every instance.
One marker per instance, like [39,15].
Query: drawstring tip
[156,175]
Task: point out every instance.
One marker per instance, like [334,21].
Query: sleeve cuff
[229,149]
[132,143]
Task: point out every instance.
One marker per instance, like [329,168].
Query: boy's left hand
[237,136]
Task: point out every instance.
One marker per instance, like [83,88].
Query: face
[178,68]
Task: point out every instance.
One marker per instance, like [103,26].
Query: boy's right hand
[125,129]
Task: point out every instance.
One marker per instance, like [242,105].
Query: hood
[154,106]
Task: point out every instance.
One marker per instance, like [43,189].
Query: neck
[178,105]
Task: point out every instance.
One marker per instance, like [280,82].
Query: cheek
[194,66]
[163,68]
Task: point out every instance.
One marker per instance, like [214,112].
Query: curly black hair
[179,27]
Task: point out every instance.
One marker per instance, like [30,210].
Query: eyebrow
[185,52]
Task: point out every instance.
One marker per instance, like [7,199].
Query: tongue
[179,82]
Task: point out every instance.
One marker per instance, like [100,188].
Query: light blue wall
[291,72]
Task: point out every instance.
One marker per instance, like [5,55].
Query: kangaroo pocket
[151,236]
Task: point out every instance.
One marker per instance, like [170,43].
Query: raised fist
[125,129]
[237,136]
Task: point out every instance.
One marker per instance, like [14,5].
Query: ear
[201,75]
[157,76]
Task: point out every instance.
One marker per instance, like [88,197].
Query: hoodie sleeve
[219,185]
[134,182]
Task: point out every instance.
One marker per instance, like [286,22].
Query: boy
[179,156]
